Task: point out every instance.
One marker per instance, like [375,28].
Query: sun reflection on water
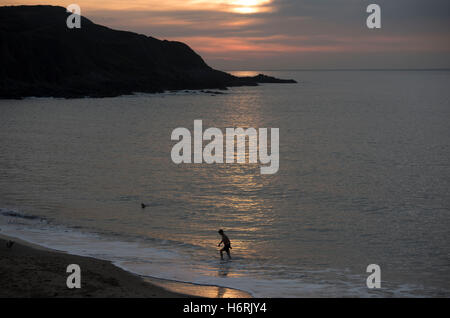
[198,290]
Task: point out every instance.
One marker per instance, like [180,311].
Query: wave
[15,214]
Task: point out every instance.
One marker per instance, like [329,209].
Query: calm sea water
[364,179]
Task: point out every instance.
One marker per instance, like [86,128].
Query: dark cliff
[40,56]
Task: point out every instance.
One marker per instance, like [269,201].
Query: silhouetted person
[226,245]
[143,205]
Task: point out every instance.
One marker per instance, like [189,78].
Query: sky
[286,34]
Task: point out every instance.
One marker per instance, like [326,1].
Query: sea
[364,178]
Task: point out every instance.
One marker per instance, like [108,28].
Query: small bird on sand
[9,244]
[143,205]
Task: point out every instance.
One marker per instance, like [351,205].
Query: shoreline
[31,270]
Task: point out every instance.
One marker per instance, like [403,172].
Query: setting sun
[249,6]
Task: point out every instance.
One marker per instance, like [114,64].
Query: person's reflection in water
[224,270]
[221,292]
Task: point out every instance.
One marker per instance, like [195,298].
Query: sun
[249,6]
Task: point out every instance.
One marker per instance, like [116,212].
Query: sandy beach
[28,270]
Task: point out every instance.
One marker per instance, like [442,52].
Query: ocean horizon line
[339,69]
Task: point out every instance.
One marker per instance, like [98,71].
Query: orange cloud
[236,6]
[289,44]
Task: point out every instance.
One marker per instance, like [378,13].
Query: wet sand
[28,270]
[208,291]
